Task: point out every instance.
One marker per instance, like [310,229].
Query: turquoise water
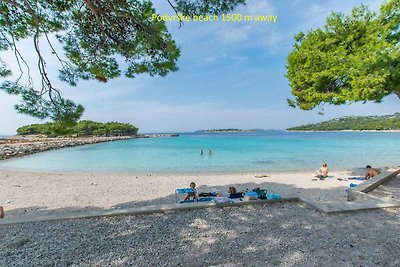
[241,152]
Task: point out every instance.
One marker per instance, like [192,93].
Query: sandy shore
[30,193]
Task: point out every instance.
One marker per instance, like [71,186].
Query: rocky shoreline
[25,145]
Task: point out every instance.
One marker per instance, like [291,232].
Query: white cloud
[232,35]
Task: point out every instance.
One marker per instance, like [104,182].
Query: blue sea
[270,151]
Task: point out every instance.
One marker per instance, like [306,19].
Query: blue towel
[273,196]
[353,185]
[184,190]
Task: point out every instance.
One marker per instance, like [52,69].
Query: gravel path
[278,234]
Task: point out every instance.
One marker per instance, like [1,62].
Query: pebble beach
[270,235]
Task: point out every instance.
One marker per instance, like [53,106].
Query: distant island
[230,130]
[81,128]
[355,123]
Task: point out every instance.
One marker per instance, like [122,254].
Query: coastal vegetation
[356,123]
[352,58]
[82,128]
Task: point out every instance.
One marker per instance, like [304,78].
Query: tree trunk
[398,94]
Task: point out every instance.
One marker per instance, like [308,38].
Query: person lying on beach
[323,172]
[371,172]
[192,194]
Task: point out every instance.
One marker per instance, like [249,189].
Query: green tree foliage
[206,7]
[82,128]
[94,33]
[352,58]
[358,123]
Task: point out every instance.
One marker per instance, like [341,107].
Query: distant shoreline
[244,131]
[350,131]
[226,131]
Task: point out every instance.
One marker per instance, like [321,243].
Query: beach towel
[202,199]
[208,194]
[205,199]
[273,196]
[236,195]
[184,190]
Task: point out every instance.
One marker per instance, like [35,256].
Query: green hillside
[357,123]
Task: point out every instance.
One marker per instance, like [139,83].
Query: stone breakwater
[19,147]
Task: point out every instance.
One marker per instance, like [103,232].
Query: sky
[231,75]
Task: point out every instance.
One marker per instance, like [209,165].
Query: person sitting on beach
[323,172]
[192,194]
[232,190]
[233,193]
[371,172]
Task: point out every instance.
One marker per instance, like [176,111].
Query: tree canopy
[354,57]
[82,128]
[93,33]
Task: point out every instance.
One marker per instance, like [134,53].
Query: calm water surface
[238,152]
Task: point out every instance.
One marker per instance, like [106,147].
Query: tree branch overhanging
[176,12]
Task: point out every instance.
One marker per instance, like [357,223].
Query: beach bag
[260,192]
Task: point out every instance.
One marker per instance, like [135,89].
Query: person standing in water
[209,152]
[201,152]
